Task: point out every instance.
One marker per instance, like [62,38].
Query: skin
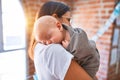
[76,72]
[65,18]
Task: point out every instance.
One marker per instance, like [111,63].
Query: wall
[90,15]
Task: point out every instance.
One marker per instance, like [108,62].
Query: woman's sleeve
[58,60]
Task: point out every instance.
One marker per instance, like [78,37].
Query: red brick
[107,1]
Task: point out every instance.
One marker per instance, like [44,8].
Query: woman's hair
[49,8]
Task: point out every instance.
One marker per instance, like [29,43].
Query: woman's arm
[76,72]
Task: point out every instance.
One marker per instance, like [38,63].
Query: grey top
[84,50]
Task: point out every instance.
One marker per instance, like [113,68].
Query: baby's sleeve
[58,61]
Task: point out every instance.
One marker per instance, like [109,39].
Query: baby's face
[48,29]
[53,35]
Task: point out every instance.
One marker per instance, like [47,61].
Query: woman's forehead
[67,14]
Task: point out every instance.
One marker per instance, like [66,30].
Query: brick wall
[90,15]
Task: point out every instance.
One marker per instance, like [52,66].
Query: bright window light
[13,25]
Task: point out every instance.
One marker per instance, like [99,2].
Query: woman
[53,62]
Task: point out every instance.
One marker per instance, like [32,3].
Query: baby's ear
[59,26]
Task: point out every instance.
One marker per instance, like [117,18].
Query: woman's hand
[65,43]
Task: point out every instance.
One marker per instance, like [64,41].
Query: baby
[48,29]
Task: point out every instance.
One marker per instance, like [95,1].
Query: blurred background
[96,17]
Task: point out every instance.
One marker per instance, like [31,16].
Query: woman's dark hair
[49,8]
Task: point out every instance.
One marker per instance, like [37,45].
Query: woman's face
[66,18]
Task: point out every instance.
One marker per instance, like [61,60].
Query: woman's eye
[68,19]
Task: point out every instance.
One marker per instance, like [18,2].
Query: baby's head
[48,29]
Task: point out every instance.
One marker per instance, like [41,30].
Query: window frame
[1,30]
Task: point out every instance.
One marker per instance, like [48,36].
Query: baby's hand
[65,43]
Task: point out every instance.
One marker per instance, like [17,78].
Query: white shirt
[51,61]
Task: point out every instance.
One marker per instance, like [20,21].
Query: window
[115,46]
[12,29]
[115,51]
